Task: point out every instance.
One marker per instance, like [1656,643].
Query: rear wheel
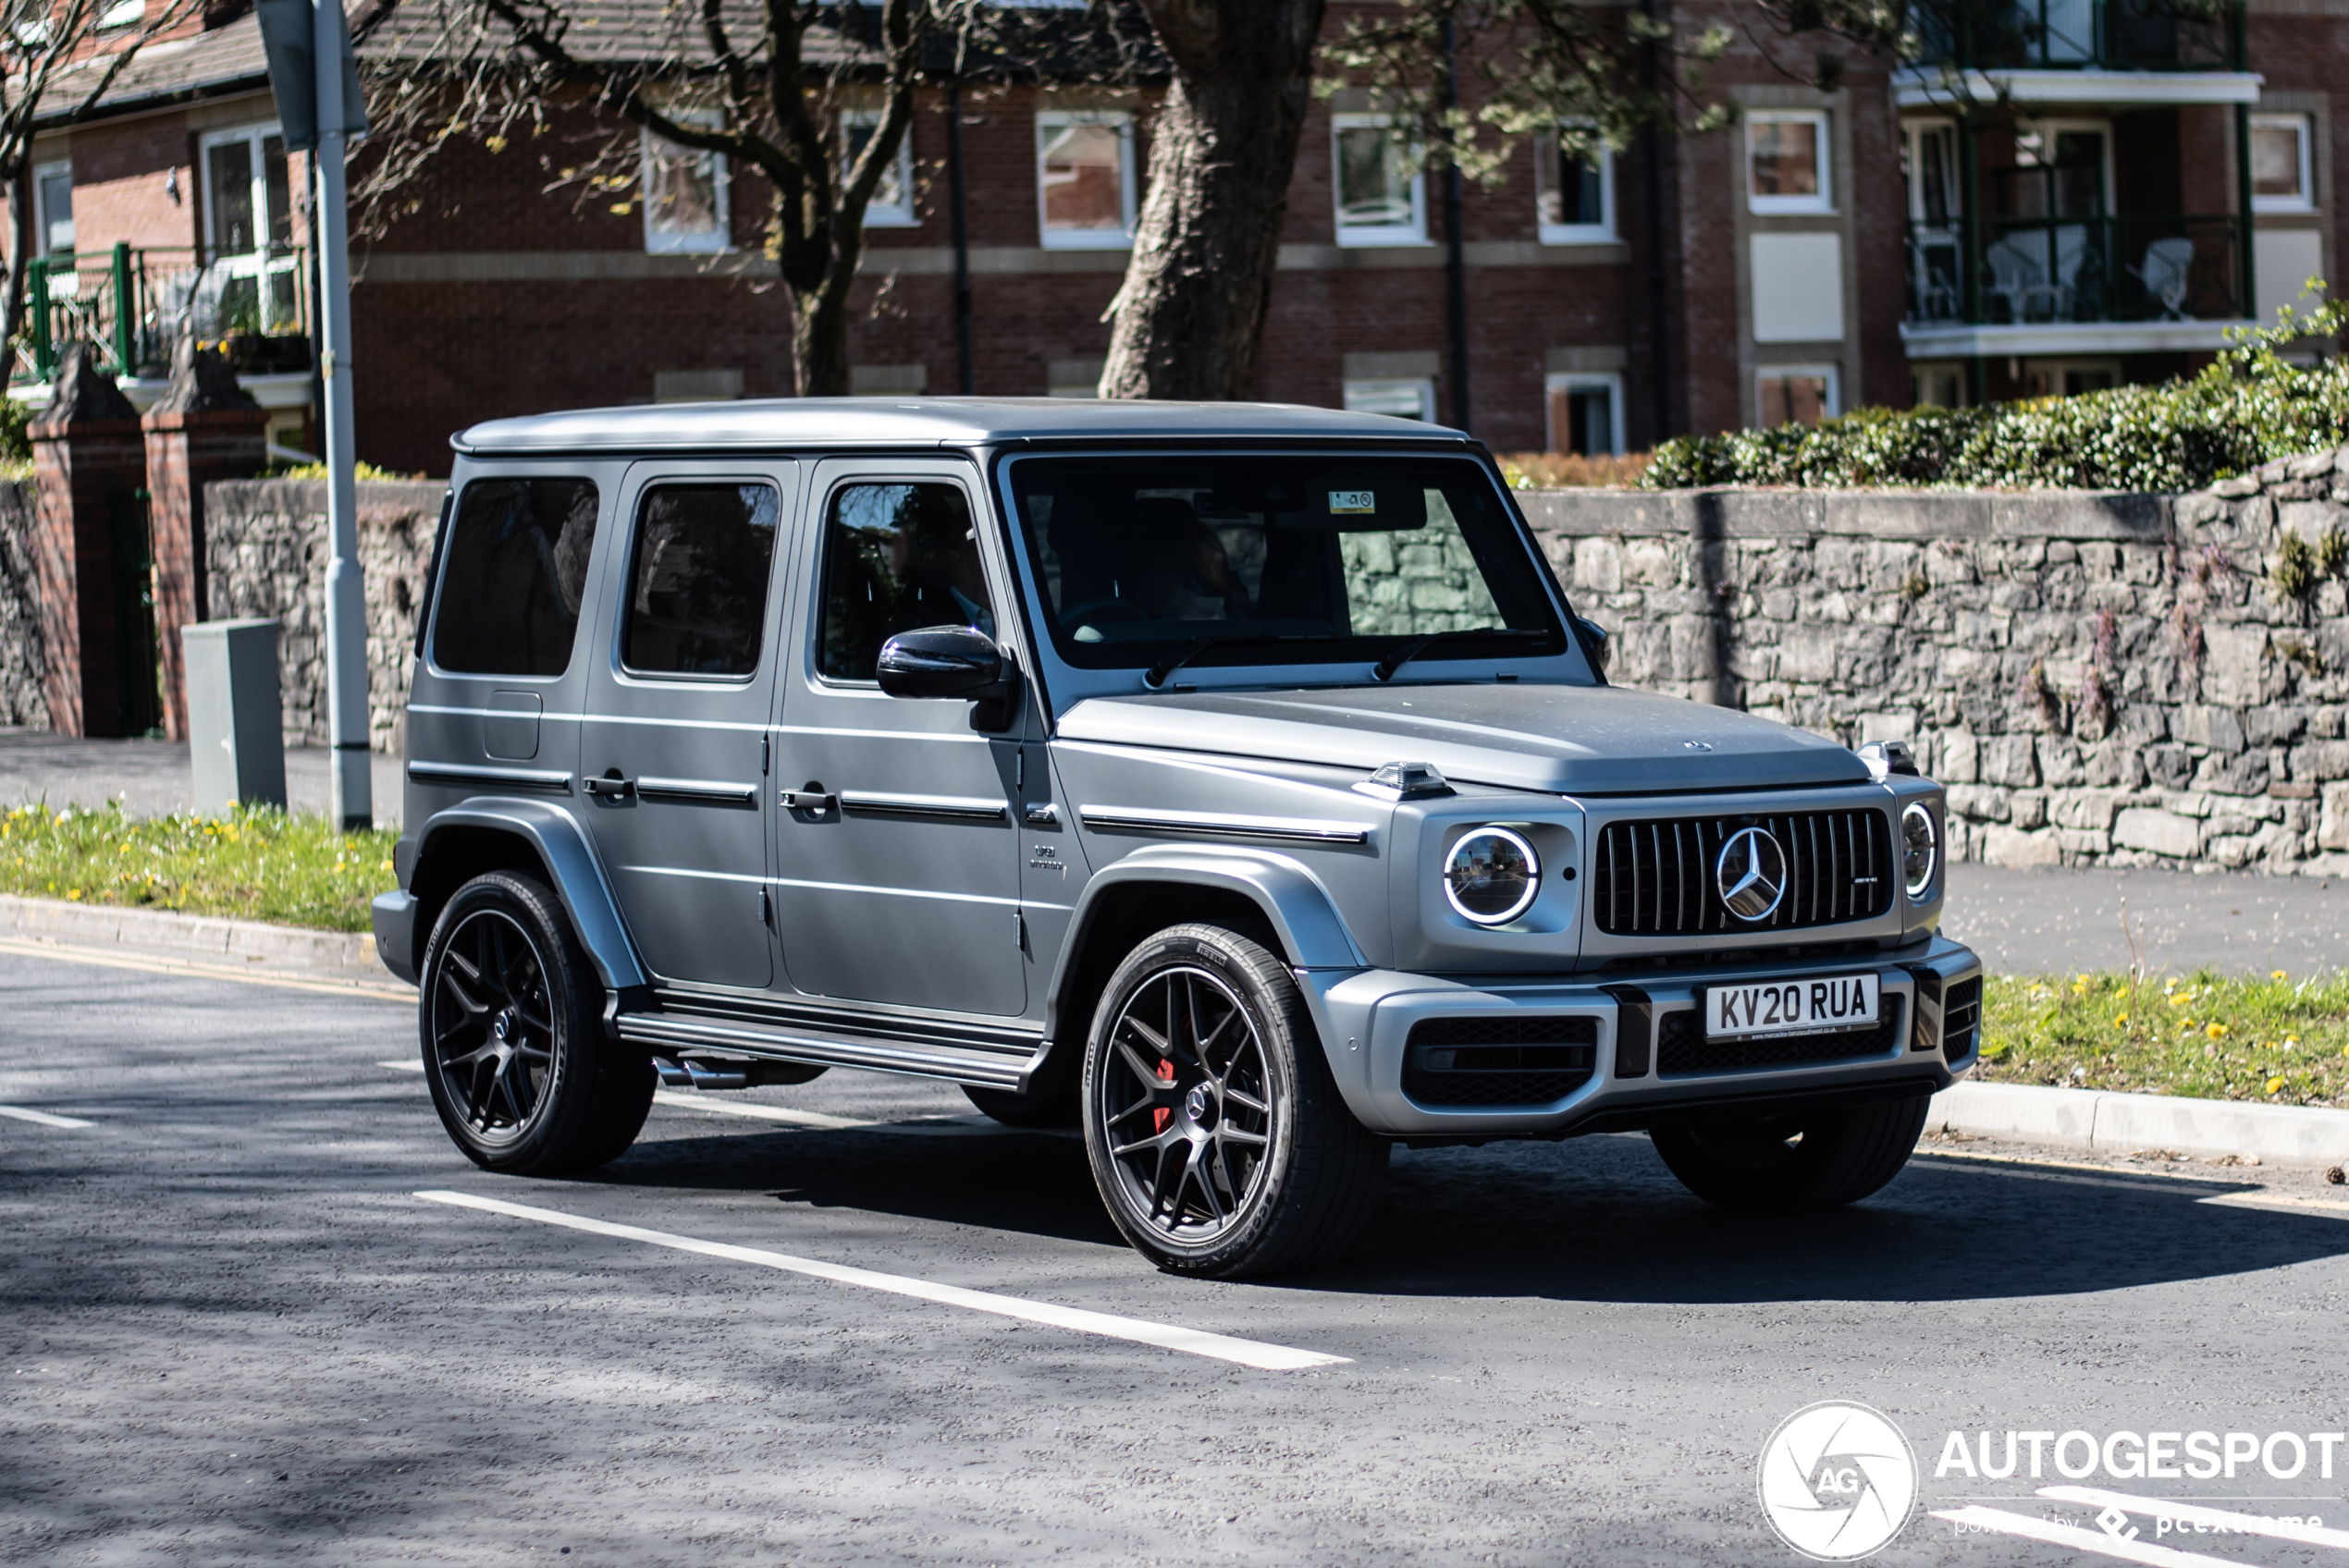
[1216,1135]
[1785,1165]
[511,1011]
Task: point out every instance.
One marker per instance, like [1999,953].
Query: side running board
[675,1032]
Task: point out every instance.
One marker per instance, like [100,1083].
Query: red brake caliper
[1159,1117]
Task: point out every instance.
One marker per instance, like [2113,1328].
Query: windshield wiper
[1156,674]
[1384,670]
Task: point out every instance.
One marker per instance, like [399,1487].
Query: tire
[1791,1165]
[1217,1135]
[1041,1112]
[511,1015]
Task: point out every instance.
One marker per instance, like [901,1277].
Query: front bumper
[1645,1068]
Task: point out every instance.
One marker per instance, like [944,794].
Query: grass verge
[257,864]
[2278,1040]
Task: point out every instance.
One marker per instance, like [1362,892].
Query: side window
[697,587]
[511,575]
[896,557]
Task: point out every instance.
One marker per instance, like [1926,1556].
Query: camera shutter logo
[1750,873]
[1837,1481]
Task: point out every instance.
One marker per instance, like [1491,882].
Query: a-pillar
[204,428]
[89,461]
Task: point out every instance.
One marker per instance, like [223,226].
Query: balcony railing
[2121,35]
[135,303]
[2078,269]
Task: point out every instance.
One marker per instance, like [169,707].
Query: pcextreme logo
[1837,1481]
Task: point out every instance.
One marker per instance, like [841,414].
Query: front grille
[1682,1047]
[1961,1018]
[1657,878]
[1497,1061]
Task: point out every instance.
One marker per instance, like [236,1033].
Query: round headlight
[1920,849]
[1492,876]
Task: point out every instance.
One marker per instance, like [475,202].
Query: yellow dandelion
[2122,1021]
[2291,1039]
[73,893]
[2275,975]
[2180,999]
[2217,1031]
[2275,1085]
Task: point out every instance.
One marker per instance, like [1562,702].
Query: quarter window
[1786,161]
[897,557]
[1382,196]
[1586,414]
[697,589]
[1085,181]
[511,575]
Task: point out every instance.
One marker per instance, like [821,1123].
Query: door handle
[610,787]
[815,803]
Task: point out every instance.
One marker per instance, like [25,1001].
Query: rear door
[674,749]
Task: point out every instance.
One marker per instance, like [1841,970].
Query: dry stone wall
[265,555]
[2099,679]
[23,663]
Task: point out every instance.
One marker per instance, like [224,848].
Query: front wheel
[1216,1135]
[523,1074]
[1788,1165]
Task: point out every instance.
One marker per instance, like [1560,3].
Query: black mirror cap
[952,661]
[1596,639]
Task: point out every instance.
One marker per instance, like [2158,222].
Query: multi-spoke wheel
[514,1049]
[1217,1138]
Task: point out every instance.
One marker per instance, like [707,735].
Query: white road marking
[695,1100]
[2275,1200]
[1165,1336]
[42,1117]
[1998,1521]
[70,952]
[401,1066]
[2195,1513]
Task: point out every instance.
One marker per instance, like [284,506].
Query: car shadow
[1595,1220]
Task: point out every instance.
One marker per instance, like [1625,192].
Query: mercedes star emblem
[1750,873]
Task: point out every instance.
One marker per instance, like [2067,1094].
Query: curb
[243,941]
[2095,1119]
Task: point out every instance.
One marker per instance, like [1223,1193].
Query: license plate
[1791,1006]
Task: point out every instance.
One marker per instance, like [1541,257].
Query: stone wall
[23,665]
[266,552]
[2100,680]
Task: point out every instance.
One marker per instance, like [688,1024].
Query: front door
[897,851]
[673,753]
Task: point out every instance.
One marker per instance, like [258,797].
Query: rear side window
[511,577]
[697,589]
[897,557]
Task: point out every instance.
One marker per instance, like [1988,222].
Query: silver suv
[1231,781]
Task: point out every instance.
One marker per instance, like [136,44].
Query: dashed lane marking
[108,957]
[43,1118]
[1137,1331]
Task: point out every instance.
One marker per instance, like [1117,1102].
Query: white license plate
[1791,1006]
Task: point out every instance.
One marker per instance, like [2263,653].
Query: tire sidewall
[1225,955]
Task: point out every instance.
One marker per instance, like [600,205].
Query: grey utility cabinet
[236,738]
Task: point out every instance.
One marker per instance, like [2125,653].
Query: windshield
[1291,559]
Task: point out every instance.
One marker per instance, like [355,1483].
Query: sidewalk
[152,778]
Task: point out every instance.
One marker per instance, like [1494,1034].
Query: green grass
[258,865]
[2281,1040]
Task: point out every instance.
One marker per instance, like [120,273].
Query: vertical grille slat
[1655,876]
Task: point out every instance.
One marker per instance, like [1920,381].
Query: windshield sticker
[1358,502]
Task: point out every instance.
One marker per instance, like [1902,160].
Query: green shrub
[2248,406]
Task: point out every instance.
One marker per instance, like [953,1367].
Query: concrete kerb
[337,953]
[2117,1123]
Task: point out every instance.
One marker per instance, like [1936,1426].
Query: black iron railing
[2137,35]
[2078,269]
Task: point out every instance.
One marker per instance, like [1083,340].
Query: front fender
[1313,935]
[577,874]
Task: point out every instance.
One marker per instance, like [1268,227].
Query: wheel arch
[477,836]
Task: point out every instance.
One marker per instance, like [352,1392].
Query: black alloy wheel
[510,1013]
[1186,1067]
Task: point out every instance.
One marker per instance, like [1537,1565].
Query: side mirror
[1595,638]
[951,661]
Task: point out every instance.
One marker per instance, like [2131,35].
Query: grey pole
[347,726]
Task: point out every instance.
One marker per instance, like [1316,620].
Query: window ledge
[1579,234]
[1084,239]
[1361,238]
[688,245]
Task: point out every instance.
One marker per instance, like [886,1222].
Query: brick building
[2095,203]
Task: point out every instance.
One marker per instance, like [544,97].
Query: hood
[1565,739]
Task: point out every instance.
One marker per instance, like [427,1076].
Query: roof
[227,59]
[925,422]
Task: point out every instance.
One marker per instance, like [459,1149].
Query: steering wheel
[1103,610]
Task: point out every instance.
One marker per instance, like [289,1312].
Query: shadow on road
[1595,1220]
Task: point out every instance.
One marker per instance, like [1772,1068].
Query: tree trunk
[1223,147]
[819,340]
[22,240]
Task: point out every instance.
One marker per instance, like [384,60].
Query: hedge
[2249,406]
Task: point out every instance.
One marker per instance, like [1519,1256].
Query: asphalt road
[230,1333]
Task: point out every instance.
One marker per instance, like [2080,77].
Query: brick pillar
[88,458]
[204,428]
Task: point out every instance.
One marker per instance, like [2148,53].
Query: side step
[669,1032]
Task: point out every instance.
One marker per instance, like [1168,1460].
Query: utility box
[236,734]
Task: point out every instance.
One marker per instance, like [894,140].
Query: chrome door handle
[815,803]
[610,789]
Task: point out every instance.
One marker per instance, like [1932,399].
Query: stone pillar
[89,460]
[204,427]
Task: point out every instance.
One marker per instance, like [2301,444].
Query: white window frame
[1912,135]
[2046,131]
[1358,395]
[2306,202]
[1600,233]
[257,264]
[1087,238]
[1834,409]
[707,243]
[1414,233]
[1609,382]
[878,214]
[41,173]
[1821,204]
